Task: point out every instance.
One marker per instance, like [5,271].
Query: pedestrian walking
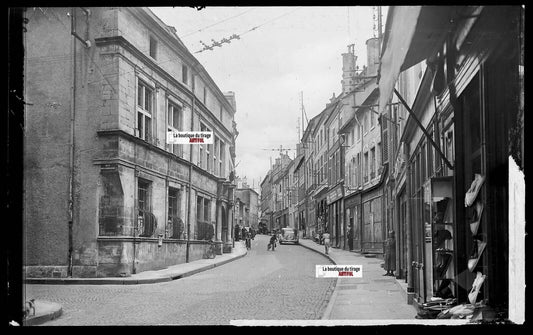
[237,233]
[247,239]
[390,254]
[350,239]
[325,237]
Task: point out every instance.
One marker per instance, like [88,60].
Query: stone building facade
[106,194]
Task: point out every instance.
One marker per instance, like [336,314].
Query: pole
[441,154]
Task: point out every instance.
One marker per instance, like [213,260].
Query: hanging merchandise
[477,250]
[472,193]
[442,206]
[444,258]
[476,286]
[475,218]
[440,236]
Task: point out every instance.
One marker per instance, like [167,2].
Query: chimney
[349,69]
[372,51]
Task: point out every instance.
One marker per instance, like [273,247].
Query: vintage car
[288,235]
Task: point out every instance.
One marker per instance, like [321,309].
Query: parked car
[289,235]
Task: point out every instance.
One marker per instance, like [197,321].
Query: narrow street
[263,285]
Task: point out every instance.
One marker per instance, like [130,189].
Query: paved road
[263,285]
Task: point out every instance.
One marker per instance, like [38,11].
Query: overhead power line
[237,36]
[214,24]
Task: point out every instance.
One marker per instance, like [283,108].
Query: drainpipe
[71,155]
[135,193]
[190,178]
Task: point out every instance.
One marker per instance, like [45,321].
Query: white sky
[294,49]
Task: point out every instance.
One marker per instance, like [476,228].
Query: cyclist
[273,240]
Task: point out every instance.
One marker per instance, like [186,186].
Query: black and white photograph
[259,166]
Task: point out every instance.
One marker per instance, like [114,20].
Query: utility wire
[214,24]
[237,36]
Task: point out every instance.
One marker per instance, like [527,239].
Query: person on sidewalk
[247,239]
[237,233]
[390,254]
[350,238]
[325,237]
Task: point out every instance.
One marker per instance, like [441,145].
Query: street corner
[41,311]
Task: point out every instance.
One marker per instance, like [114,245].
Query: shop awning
[412,34]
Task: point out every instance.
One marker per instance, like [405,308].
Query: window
[146,221]
[216,155]
[174,120]
[423,162]
[339,167]
[206,210]
[222,169]
[144,195]
[175,224]
[172,202]
[372,162]
[378,156]
[365,122]
[358,176]
[330,166]
[153,47]
[372,119]
[365,167]
[185,74]
[205,95]
[204,151]
[145,98]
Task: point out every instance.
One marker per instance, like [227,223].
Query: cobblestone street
[263,285]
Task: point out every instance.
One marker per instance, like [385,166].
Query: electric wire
[214,24]
[218,43]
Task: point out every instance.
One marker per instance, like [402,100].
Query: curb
[332,299]
[40,319]
[125,281]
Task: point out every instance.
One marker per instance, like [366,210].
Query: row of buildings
[105,193]
[426,141]
[246,205]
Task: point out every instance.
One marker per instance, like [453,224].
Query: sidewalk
[46,311]
[373,299]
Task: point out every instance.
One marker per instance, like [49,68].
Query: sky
[293,52]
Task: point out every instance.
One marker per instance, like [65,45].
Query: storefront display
[443,234]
